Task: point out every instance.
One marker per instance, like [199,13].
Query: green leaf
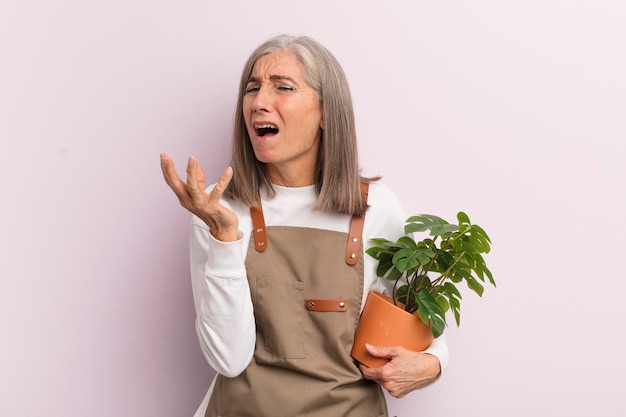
[454,297]
[415,227]
[437,230]
[408,259]
[475,286]
[401,293]
[423,222]
[482,235]
[424,255]
[383,267]
[379,253]
[455,306]
[405,260]
[462,218]
[443,302]
[489,275]
[427,219]
[420,282]
[451,290]
[394,274]
[407,242]
[431,313]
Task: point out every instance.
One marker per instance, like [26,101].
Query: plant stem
[444,245]
[445,273]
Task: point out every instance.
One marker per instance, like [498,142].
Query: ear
[322,123]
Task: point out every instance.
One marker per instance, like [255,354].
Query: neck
[295,177]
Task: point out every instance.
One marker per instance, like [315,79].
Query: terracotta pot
[384,324]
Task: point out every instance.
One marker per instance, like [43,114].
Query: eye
[251,89]
[285,88]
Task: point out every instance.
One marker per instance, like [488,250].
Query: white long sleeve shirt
[225,320]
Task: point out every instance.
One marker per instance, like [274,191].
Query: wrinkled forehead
[280,63]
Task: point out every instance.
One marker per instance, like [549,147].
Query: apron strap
[258,228]
[353,249]
[354,236]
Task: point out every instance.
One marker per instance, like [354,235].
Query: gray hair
[337,175]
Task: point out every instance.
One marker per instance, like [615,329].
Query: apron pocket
[279,316]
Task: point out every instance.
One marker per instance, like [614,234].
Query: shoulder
[385,215]
[381,197]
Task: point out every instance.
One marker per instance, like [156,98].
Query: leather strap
[322,305]
[258,228]
[353,248]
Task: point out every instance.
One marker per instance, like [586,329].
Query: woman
[269,260]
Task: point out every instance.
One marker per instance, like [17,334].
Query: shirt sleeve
[439,348]
[224,315]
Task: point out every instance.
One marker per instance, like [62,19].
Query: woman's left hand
[405,372]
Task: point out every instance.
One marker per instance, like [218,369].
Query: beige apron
[307,299]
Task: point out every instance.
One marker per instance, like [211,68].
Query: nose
[262,100]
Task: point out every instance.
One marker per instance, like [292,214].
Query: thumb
[381,351]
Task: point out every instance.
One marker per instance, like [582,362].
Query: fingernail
[367,345]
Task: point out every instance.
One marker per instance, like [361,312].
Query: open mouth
[266,129]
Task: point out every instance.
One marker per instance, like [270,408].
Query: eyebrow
[275,77]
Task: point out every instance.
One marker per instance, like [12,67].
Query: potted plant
[426,274]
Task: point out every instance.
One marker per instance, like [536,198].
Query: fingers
[382,351]
[380,374]
[191,193]
[406,372]
[195,178]
[171,176]
[167,167]
[220,186]
[222,222]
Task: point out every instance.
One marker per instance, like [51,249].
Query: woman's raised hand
[222,222]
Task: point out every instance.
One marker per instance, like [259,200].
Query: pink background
[512,111]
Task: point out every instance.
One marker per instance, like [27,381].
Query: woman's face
[283,116]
